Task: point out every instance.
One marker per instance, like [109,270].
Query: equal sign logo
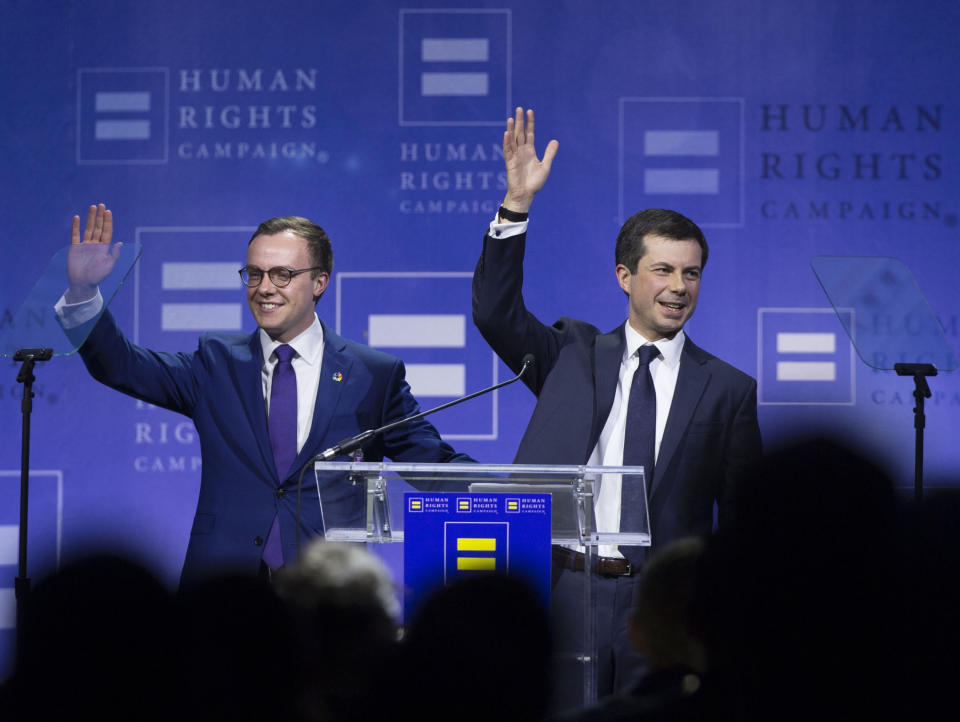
[804,358]
[455,50]
[108,103]
[122,115]
[471,547]
[424,331]
[187,276]
[683,153]
[681,144]
[816,344]
[454,67]
[485,561]
[422,318]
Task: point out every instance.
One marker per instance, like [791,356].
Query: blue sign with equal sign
[454,66]
[451,535]
[122,116]
[804,358]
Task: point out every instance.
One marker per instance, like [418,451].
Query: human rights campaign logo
[454,67]
[804,358]
[471,547]
[186,284]
[423,317]
[685,154]
[122,116]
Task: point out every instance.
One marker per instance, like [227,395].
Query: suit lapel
[248,365]
[335,375]
[608,353]
[692,379]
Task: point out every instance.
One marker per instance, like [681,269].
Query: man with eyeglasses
[243,391]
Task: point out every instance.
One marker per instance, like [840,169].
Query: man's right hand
[91,258]
[526,173]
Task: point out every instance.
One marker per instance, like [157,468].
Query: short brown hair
[656,222]
[318,242]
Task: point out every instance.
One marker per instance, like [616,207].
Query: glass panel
[35,324]
[884,312]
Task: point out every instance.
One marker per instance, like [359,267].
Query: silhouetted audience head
[346,607]
[478,649]
[94,643]
[925,630]
[345,575]
[662,626]
[241,654]
[799,594]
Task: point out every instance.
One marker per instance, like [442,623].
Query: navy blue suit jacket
[711,439]
[219,386]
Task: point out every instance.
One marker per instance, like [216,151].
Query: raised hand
[90,258]
[526,173]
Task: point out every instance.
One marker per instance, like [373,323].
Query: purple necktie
[639,446]
[283,438]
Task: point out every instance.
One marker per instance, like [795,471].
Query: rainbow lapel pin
[337,376]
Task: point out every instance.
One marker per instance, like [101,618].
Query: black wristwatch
[512,216]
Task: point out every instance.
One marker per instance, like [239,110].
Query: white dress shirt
[609,448]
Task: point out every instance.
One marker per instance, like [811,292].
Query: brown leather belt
[606,566]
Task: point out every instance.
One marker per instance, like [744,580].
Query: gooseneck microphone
[355,442]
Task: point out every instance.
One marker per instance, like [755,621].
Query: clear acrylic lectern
[356,500]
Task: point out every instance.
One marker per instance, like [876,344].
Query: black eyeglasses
[279,276]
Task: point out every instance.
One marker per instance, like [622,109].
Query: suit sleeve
[418,441]
[501,315]
[163,379]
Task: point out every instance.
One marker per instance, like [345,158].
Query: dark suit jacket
[219,387]
[711,438]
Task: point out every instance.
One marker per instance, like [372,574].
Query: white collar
[308,344]
[669,348]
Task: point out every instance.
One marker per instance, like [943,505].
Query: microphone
[355,442]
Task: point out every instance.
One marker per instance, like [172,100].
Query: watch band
[512,216]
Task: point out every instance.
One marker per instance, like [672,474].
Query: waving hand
[90,258]
[526,173]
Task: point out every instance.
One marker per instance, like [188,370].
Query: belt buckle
[629,570]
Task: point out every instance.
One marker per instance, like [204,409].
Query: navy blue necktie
[639,446]
[283,438]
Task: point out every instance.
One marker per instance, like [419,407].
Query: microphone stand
[354,443]
[921,391]
[29,356]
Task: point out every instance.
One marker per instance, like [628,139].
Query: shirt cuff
[506,230]
[72,315]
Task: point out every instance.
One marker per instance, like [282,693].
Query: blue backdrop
[786,129]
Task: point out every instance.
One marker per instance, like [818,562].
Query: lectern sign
[450,535]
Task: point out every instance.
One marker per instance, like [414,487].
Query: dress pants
[619,666]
